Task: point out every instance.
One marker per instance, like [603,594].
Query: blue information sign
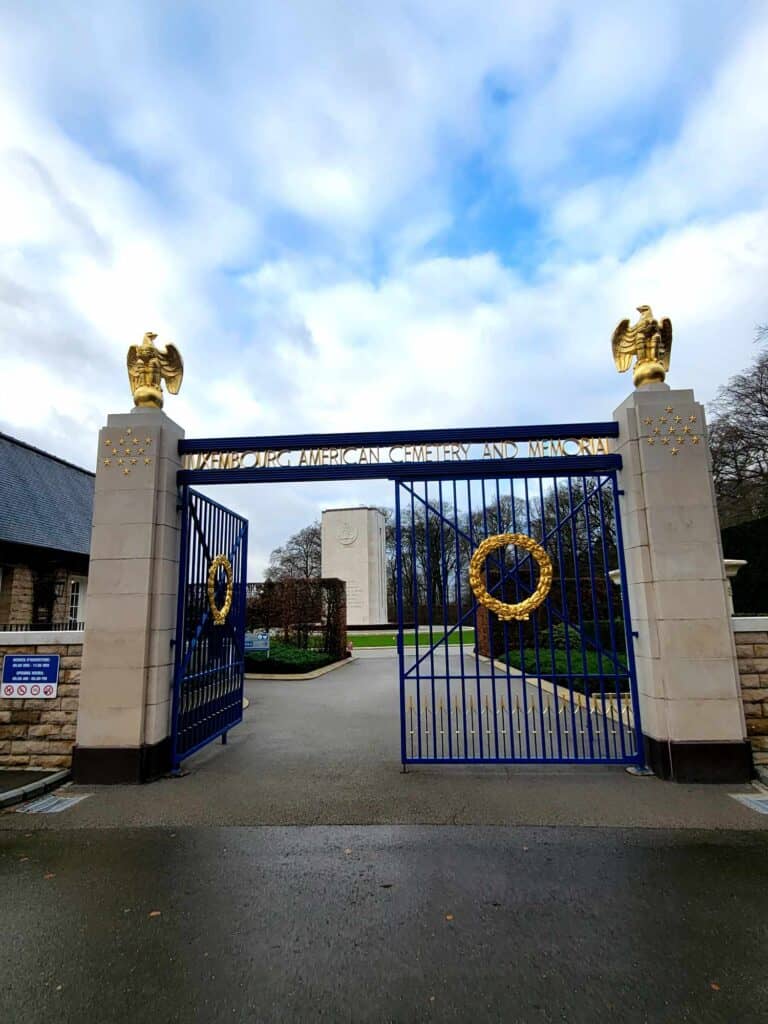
[28,676]
[257,641]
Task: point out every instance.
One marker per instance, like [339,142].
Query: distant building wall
[41,588]
[353,551]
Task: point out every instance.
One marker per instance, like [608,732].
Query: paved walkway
[326,752]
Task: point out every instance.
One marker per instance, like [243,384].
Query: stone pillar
[690,708]
[123,731]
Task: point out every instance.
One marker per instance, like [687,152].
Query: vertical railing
[545,694]
[209,661]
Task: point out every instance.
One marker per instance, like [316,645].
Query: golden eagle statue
[149,366]
[650,341]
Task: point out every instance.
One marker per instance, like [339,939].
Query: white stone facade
[687,676]
[353,550]
[127,674]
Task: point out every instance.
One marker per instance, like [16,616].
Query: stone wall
[752,652]
[41,733]
[21,607]
[37,593]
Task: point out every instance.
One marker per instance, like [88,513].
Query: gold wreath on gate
[219,614]
[506,612]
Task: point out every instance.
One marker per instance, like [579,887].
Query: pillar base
[113,766]
[699,762]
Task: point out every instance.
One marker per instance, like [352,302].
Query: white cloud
[716,163]
[269,190]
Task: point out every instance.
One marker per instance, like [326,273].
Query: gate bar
[386,438]
[473,469]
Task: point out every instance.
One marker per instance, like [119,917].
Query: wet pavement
[327,751]
[11,780]
[383,924]
[297,875]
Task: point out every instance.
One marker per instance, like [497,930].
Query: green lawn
[390,639]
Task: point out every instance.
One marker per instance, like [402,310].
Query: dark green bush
[556,670]
[286,659]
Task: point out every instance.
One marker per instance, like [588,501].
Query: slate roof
[44,501]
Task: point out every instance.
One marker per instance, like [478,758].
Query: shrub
[284,659]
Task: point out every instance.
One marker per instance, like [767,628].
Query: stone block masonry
[689,693]
[40,734]
[751,635]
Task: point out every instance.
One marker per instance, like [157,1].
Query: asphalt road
[297,875]
[383,924]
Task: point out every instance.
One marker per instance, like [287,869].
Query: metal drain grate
[755,803]
[51,804]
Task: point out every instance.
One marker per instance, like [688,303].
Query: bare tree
[738,441]
[299,557]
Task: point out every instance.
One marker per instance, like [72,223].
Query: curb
[21,793]
[298,677]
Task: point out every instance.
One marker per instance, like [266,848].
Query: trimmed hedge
[556,671]
[286,659]
[528,635]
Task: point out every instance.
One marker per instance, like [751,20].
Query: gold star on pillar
[665,440]
[674,450]
[134,461]
[147,462]
[126,471]
[656,431]
[121,441]
[147,440]
[120,462]
[114,451]
[651,440]
[108,444]
[129,430]
[662,419]
[691,419]
[686,429]
[648,421]
[695,439]
[678,418]
[681,440]
[669,408]
[107,462]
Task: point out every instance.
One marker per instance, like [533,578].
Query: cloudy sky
[356,215]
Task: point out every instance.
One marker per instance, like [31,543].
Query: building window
[77,589]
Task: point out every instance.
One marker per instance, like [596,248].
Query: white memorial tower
[353,551]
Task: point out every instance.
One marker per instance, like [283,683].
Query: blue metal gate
[514,627]
[210,625]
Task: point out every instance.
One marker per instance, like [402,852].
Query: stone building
[353,550]
[46,507]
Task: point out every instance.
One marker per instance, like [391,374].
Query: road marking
[51,804]
[755,803]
